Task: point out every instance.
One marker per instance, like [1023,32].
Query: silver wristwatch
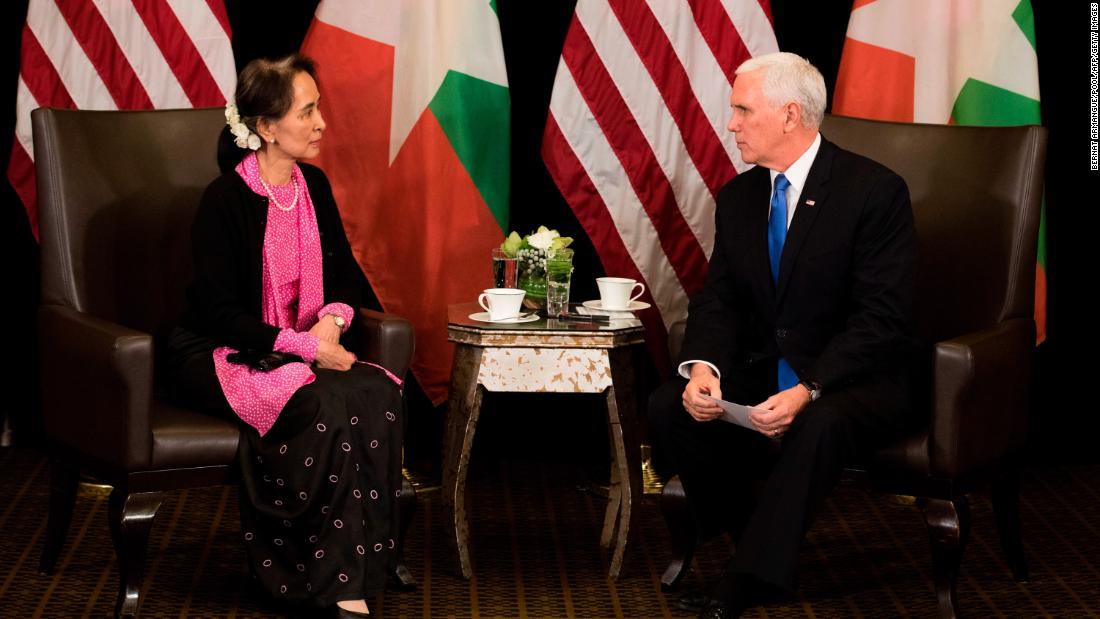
[813,388]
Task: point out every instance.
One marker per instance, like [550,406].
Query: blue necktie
[777,223]
[777,234]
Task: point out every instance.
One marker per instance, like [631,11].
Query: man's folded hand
[703,381]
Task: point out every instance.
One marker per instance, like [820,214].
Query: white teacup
[501,303]
[615,292]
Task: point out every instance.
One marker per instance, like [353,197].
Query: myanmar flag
[966,62]
[417,148]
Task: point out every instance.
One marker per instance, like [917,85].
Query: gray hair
[790,77]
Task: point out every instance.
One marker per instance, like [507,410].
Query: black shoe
[714,609]
[730,597]
[693,601]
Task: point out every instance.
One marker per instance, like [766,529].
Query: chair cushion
[186,438]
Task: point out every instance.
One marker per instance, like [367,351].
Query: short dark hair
[265,90]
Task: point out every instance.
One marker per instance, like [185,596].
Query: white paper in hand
[734,413]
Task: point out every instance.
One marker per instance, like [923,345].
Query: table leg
[626,450]
[614,488]
[462,413]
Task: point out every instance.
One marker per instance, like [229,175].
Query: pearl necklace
[271,194]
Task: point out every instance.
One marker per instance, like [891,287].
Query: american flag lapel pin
[810,202]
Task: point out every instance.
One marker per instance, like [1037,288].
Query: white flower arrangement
[242,136]
[542,238]
[533,249]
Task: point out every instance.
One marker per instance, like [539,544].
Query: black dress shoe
[693,601]
[715,609]
[730,597]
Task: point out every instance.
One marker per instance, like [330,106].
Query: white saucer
[633,307]
[484,317]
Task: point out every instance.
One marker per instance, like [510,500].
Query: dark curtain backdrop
[1064,421]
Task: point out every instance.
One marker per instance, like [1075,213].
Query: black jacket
[841,311]
[227,242]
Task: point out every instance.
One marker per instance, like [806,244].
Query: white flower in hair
[243,137]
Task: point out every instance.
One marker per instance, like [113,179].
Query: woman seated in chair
[274,291]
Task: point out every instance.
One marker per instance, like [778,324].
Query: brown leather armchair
[117,192]
[976,195]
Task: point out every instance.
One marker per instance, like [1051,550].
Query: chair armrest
[387,340]
[981,395]
[97,387]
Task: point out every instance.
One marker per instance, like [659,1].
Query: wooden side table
[547,356]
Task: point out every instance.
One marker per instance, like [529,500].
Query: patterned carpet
[535,536]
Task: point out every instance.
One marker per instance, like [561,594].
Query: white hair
[790,77]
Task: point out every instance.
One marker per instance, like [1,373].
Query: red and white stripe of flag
[636,138]
[117,54]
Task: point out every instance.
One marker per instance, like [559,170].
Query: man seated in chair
[805,314]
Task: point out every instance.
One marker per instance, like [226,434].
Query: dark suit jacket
[840,313]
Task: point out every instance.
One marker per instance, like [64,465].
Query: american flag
[636,138]
[117,54]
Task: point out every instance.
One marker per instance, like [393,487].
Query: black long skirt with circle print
[319,492]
